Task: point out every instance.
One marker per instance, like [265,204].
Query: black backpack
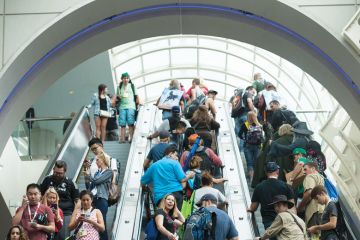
[206,163]
[254,135]
[239,109]
[194,105]
[341,229]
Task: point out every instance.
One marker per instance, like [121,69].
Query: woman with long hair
[16,233]
[203,123]
[102,104]
[99,186]
[252,134]
[168,218]
[51,199]
[87,221]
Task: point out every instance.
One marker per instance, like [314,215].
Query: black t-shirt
[168,223]
[264,194]
[245,101]
[329,211]
[66,190]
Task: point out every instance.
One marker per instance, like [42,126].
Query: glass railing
[39,138]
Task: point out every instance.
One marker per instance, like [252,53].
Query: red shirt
[41,212]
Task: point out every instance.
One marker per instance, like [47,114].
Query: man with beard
[67,191]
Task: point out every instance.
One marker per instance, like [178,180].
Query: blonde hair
[285,129]
[174,83]
[173,212]
[195,162]
[252,116]
[105,159]
[47,193]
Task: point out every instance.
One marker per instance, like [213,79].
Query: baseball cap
[175,109]
[271,167]
[298,150]
[206,197]
[164,134]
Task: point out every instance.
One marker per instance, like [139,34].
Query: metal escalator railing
[236,189]
[74,146]
[127,224]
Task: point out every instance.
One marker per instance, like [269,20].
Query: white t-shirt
[205,190]
[165,125]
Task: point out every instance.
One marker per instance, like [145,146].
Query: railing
[74,147]
[39,138]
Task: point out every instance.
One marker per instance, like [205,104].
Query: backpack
[288,116]
[194,105]
[331,189]
[254,135]
[206,163]
[341,229]
[239,109]
[200,225]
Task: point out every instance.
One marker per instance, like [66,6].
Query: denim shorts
[126,117]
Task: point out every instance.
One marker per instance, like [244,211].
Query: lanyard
[31,219]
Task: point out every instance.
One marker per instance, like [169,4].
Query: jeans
[251,154]
[166,114]
[102,205]
[239,121]
[64,232]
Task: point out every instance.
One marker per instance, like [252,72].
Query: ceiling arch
[86,30]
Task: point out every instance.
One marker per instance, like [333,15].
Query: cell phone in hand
[54,206]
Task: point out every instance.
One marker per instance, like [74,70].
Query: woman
[16,233]
[207,182]
[252,134]
[203,123]
[99,186]
[88,220]
[51,199]
[102,104]
[168,218]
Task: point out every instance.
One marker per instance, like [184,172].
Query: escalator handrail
[69,134]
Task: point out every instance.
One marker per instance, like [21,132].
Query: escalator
[74,150]
[129,220]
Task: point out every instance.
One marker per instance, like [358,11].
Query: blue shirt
[157,152]
[165,175]
[95,103]
[225,228]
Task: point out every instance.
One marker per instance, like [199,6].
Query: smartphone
[54,206]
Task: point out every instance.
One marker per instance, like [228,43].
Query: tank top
[91,232]
[103,104]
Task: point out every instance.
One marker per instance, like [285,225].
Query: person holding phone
[51,199]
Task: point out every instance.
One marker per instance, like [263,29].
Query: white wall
[16,174]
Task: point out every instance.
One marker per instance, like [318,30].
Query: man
[259,82]
[247,100]
[37,219]
[286,225]
[265,192]
[313,209]
[157,152]
[167,176]
[129,98]
[210,102]
[170,124]
[67,191]
[329,216]
[224,228]
[280,115]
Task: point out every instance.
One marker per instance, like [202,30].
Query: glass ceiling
[225,65]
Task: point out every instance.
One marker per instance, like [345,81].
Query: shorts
[126,117]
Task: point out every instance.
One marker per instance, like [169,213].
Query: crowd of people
[183,172]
